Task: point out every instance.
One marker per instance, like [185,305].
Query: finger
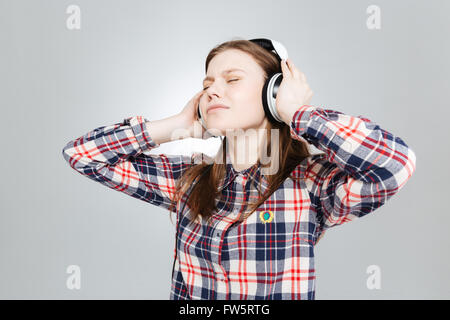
[303,76]
[198,95]
[285,69]
[297,74]
[294,70]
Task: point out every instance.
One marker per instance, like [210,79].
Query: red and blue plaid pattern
[271,254]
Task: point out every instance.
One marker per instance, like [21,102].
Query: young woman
[244,232]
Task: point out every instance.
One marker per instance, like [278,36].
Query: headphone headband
[272,45]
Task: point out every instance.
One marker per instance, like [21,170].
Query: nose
[214,89]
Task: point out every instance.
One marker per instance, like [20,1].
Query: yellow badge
[266,216]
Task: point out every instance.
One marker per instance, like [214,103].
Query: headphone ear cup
[198,111]
[264,100]
[269,95]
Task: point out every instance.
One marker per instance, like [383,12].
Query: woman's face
[240,90]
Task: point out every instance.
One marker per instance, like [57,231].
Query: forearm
[115,156]
[108,145]
[167,129]
[358,146]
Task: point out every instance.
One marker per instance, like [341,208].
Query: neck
[245,146]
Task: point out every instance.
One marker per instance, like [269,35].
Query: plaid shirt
[271,254]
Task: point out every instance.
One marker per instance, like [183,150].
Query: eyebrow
[224,72]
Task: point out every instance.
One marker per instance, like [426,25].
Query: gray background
[147,58]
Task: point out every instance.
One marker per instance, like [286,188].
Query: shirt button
[220,277]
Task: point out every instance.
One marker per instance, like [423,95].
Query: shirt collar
[253,173]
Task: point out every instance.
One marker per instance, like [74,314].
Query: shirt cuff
[139,128]
[300,120]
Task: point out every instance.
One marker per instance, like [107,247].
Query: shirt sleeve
[361,168]
[114,156]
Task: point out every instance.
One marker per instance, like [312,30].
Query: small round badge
[266,216]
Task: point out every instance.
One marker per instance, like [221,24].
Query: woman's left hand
[293,91]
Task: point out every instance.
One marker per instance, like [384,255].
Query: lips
[216,106]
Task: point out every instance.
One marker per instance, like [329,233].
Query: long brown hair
[291,152]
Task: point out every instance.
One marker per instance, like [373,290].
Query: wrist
[289,113]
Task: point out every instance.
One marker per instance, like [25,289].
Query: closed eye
[227,81]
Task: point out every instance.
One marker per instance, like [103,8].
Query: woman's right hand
[190,118]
